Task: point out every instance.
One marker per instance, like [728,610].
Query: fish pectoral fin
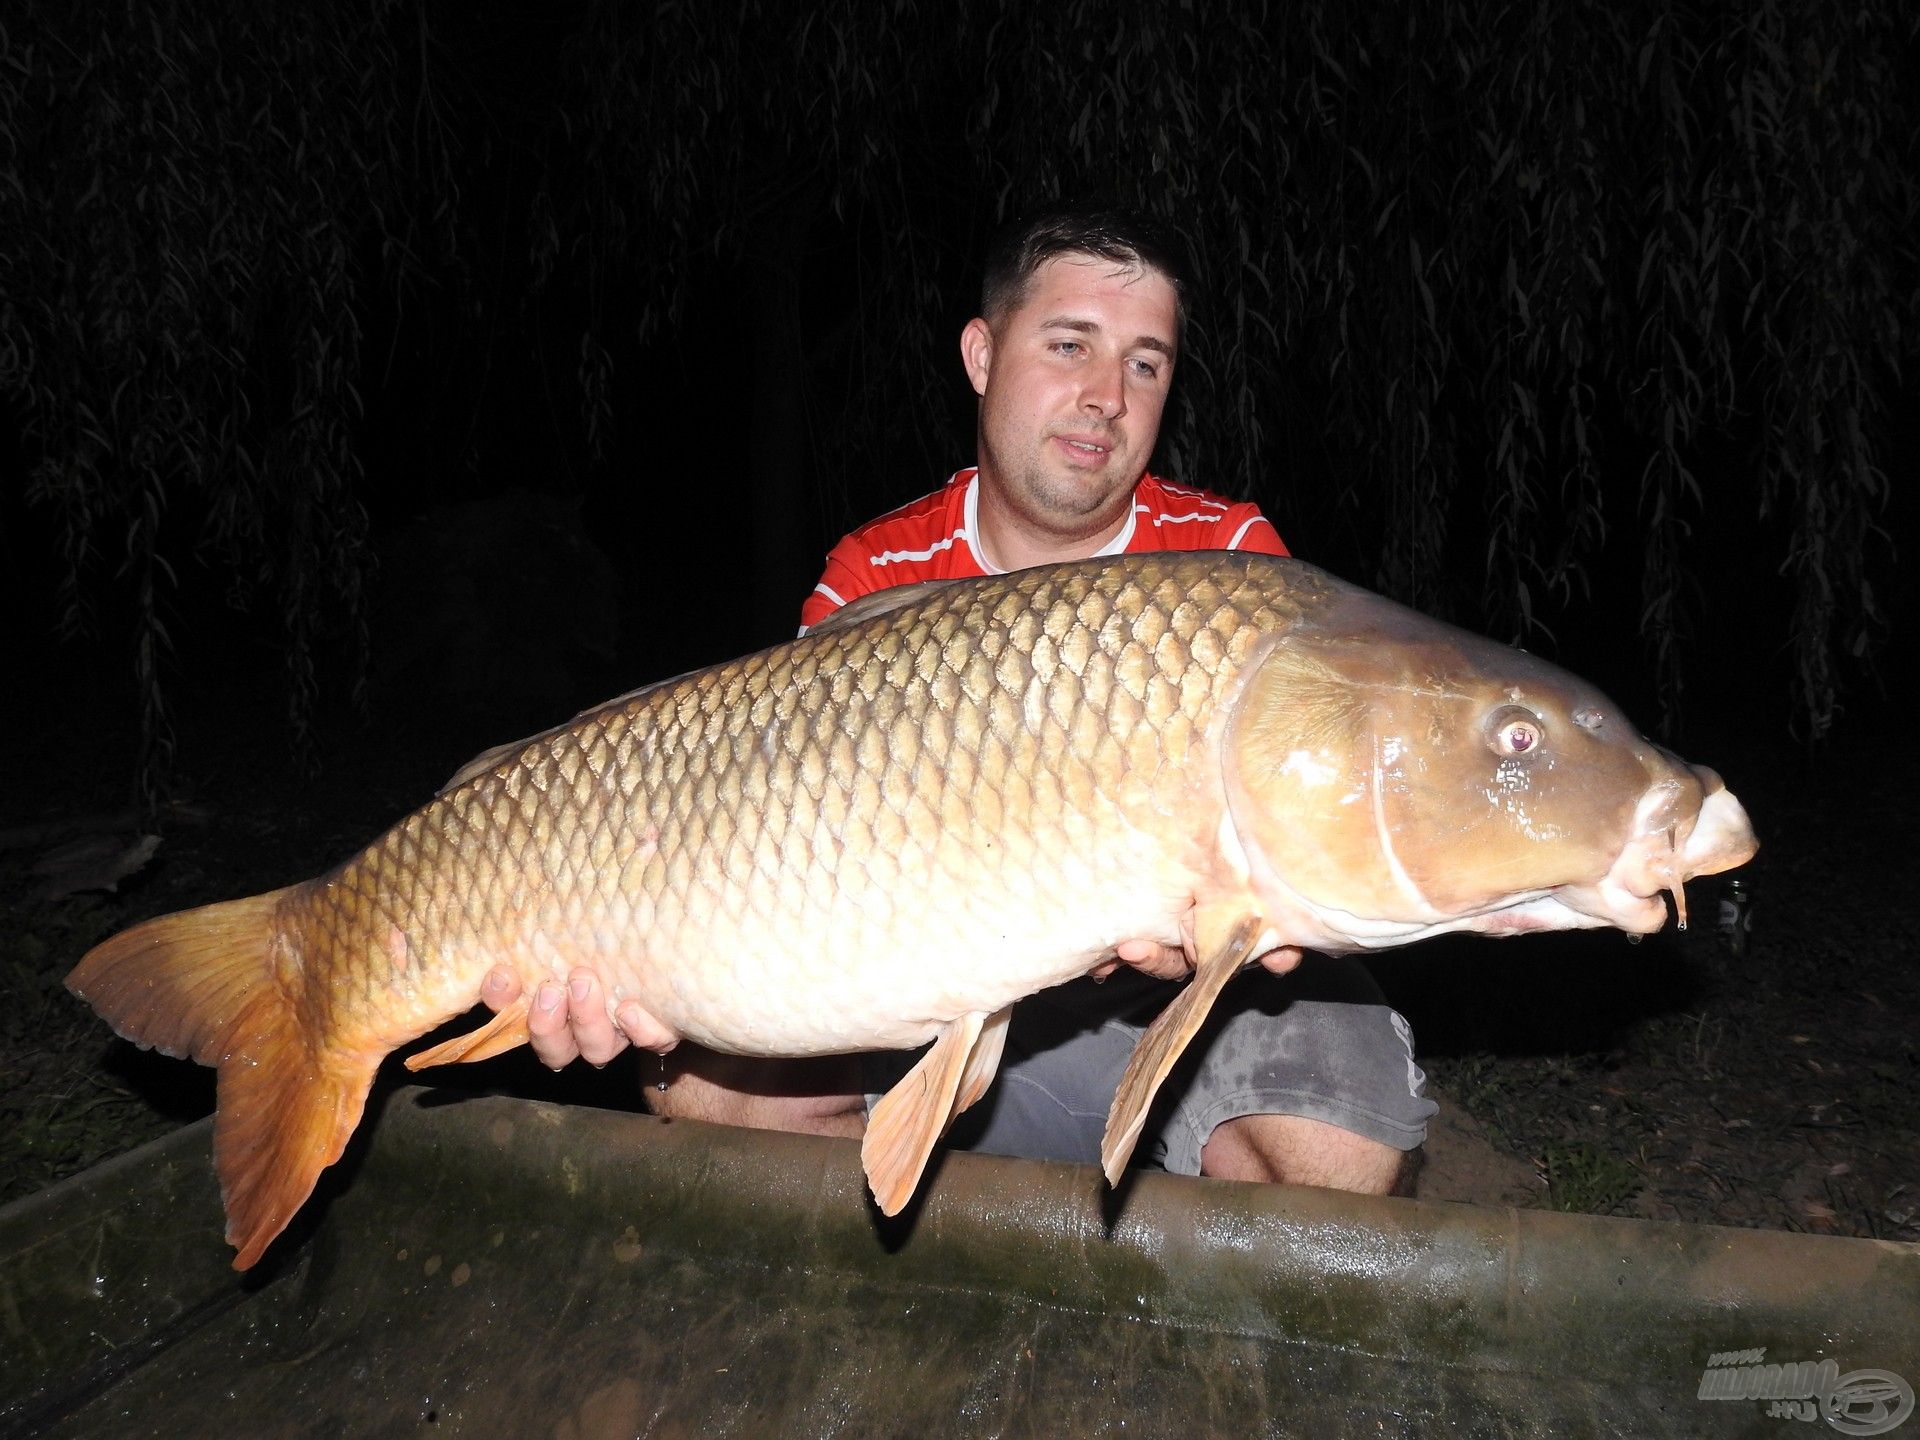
[983,1063]
[913,1114]
[1167,1037]
[499,1035]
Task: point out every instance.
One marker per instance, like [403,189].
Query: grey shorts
[1320,1042]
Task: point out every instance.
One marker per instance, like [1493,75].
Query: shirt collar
[970,524]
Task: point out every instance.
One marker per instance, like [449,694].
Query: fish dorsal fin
[1167,1037]
[867,607]
[916,1112]
[880,602]
[485,761]
[488,759]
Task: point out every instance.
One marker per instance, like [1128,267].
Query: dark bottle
[1736,915]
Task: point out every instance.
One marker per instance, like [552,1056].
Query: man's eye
[1146,369]
[1065,347]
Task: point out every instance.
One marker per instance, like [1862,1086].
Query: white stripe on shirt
[894,557]
[1200,495]
[1241,533]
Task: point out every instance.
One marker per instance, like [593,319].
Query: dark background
[508,356]
[381,383]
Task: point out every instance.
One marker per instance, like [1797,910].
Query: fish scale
[894,816]
[887,831]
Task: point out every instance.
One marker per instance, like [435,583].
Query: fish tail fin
[284,1115]
[200,984]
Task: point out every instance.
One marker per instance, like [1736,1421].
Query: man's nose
[1105,391]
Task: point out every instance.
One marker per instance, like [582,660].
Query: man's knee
[818,1097]
[1294,1150]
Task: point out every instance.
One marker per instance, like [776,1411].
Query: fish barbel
[945,798]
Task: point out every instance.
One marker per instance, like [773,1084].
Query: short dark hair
[1078,227]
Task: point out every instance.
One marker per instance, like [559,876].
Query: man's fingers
[1282,960]
[1150,957]
[547,1029]
[1170,962]
[592,1028]
[642,1028]
[501,987]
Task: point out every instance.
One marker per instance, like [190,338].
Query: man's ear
[976,352]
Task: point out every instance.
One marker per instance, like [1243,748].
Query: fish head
[1391,777]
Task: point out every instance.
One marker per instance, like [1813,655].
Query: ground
[1674,1079]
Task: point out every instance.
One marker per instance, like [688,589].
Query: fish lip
[1609,902]
[1665,849]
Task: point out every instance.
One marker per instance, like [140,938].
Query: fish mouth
[1685,826]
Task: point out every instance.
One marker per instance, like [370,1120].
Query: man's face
[1072,383]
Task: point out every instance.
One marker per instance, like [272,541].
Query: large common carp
[946,798]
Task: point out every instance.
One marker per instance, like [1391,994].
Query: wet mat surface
[499,1267]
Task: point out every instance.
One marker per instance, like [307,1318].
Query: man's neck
[1006,543]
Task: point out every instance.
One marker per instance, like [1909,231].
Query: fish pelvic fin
[916,1112]
[983,1063]
[201,985]
[500,1034]
[1166,1038]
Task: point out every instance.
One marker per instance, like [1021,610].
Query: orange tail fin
[201,984]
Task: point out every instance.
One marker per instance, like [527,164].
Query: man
[1308,1079]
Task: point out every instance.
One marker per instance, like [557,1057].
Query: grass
[1585,1179]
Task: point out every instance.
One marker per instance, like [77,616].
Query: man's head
[1125,238]
[1072,358]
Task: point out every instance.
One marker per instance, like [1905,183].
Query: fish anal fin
[500,1034]
[1166,1038]
[983,1062]
[912,1115]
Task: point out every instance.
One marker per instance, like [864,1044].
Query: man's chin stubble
[1065,501]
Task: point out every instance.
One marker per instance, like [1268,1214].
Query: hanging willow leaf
[1458,263]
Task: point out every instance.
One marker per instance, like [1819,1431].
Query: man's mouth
[1083,447]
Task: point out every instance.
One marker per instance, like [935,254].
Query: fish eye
[1516,732]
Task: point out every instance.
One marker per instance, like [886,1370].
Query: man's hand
[1149,957]
[1170,962]
[570,1022]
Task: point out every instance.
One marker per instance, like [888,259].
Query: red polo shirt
[932,538]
